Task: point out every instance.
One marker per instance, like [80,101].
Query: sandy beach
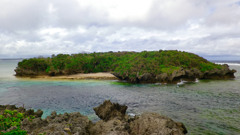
[81,76]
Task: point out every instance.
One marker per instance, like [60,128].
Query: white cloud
[32,27]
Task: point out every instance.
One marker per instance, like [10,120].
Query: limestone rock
[39,113]
[111,127]
[109,110]
[146,77]
[155,124]
[58,124]
[162,77]
[67,129]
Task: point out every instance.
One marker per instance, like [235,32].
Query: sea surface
[205,106]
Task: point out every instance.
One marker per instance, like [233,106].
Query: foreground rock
[114,121]
[153,123]
[109,110]
[118,123]
[58,124]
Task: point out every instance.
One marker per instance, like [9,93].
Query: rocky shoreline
[114,121]
[181,74]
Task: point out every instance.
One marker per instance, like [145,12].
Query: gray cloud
[32,27]
[22,15]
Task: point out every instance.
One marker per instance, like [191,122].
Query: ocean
[205,106]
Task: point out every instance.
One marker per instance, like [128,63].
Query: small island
[163,66]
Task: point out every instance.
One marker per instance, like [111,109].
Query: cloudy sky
[28,28]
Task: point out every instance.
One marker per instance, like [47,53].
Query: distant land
[12,58]
[137,67]
[222,57]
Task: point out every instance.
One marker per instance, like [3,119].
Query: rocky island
[114,121]
[136,67]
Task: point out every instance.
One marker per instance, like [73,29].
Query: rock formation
[184,74]
[114,121]
[121,124]
[109,110]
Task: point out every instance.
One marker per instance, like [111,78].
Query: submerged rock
[114,121]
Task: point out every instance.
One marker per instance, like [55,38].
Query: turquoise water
[205,107]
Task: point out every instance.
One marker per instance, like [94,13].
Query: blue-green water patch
[205,107]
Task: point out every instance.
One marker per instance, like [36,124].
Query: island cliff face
[182,74]
[137,67]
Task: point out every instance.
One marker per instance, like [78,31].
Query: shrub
[12,119]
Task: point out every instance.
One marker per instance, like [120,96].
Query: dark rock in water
[114,122]
[109,110]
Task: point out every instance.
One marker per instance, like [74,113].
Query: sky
[31,28]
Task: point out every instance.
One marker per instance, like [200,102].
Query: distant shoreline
[80,76]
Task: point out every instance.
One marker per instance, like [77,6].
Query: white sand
[99,76]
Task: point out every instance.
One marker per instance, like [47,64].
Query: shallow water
[205,107]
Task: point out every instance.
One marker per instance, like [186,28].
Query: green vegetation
[126,64]
[12,119]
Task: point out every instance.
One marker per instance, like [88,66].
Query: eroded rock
[155,124]
[111,127]
[146,77]
[72,123]
[109,110]
[162,77]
